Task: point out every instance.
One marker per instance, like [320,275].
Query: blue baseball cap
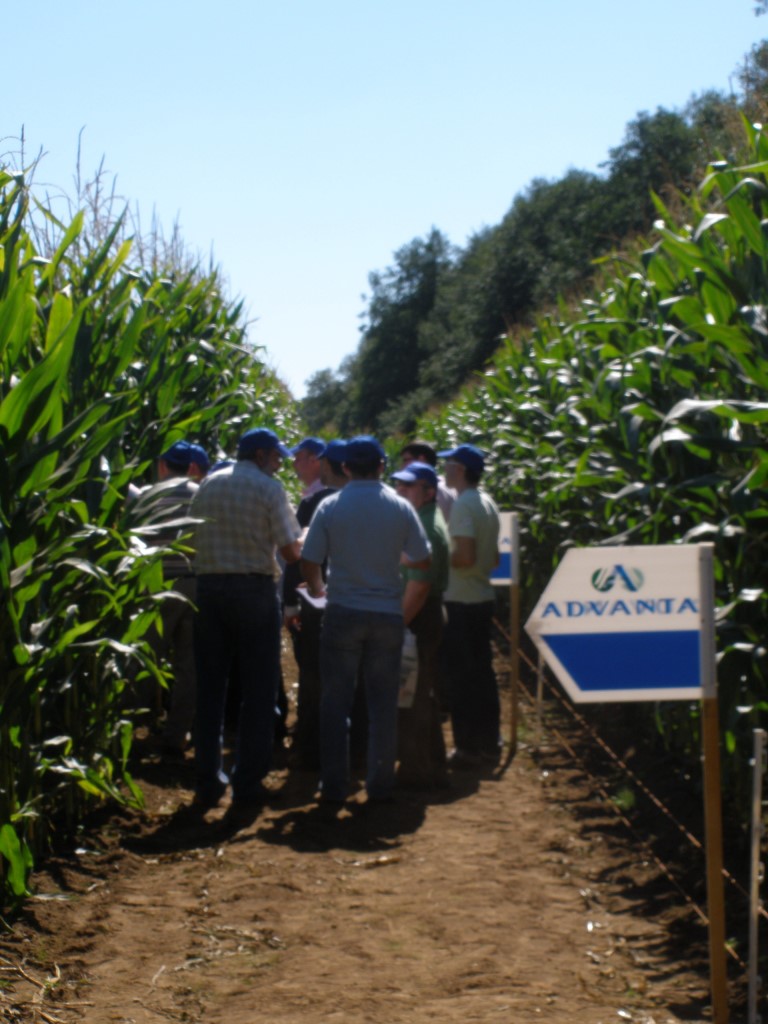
[335,451]
[182,454]
[313,445]
[364,446]
[259,439]
[469,456]
[417,471]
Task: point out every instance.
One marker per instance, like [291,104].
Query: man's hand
[313,574]
[291,552]
[292,617]
[463,552]
[414,598]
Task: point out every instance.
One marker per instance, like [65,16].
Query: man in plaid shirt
[245,517]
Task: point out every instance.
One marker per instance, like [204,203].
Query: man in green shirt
[421,747]
[469,603]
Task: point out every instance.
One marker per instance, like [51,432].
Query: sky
[304,142]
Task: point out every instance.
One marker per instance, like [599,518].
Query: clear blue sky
[305,141]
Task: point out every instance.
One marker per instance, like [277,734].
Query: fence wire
[594,736]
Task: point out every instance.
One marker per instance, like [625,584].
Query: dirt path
[514,897]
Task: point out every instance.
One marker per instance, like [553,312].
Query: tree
[389,356]
[658,151]
[438,314]
[323,405]
[716,122]
[753,75]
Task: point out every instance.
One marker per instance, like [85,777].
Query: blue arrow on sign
[507,569]
[667,659]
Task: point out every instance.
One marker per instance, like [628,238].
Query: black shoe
[463,759]
[331,801]
[241,813]
[253,797]
[328,808]
[207,801]
[379,801]
[492,756]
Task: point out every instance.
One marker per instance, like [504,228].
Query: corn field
[640,417]
[103,364]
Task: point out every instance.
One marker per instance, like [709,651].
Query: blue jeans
[368,643]
[238,622]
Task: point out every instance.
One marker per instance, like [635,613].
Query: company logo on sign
[622,608]
[606,579]
[624,580]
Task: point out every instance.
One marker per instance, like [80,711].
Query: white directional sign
[508,569]
[630,623]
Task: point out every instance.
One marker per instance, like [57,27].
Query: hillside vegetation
[639,417]
[621,327]
[440,312]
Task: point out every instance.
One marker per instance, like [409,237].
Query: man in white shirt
[306,463]
[469,601]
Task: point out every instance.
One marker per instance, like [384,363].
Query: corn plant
[640,417]
[102,366]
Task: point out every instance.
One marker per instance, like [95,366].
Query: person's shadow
[362,827]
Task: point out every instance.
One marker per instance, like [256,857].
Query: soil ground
[517,895]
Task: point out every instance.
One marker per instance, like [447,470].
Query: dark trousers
[421,747]
[306,735]
[474,693]
[306,650]
[238,622]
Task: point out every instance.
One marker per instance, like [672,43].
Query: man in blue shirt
[363,531]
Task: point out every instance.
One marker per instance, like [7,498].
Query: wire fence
[588,731]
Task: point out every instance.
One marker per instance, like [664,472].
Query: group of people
[360,562]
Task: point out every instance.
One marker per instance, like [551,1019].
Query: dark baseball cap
[313,445]
[335,451]
[182,454]
[260,438]
[363,447]
[469,456]
[417,471]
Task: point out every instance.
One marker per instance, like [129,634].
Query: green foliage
[323,404]
[658,150]
[102,366]
[388,360]
[440,313]
[641,417]
[753,75]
